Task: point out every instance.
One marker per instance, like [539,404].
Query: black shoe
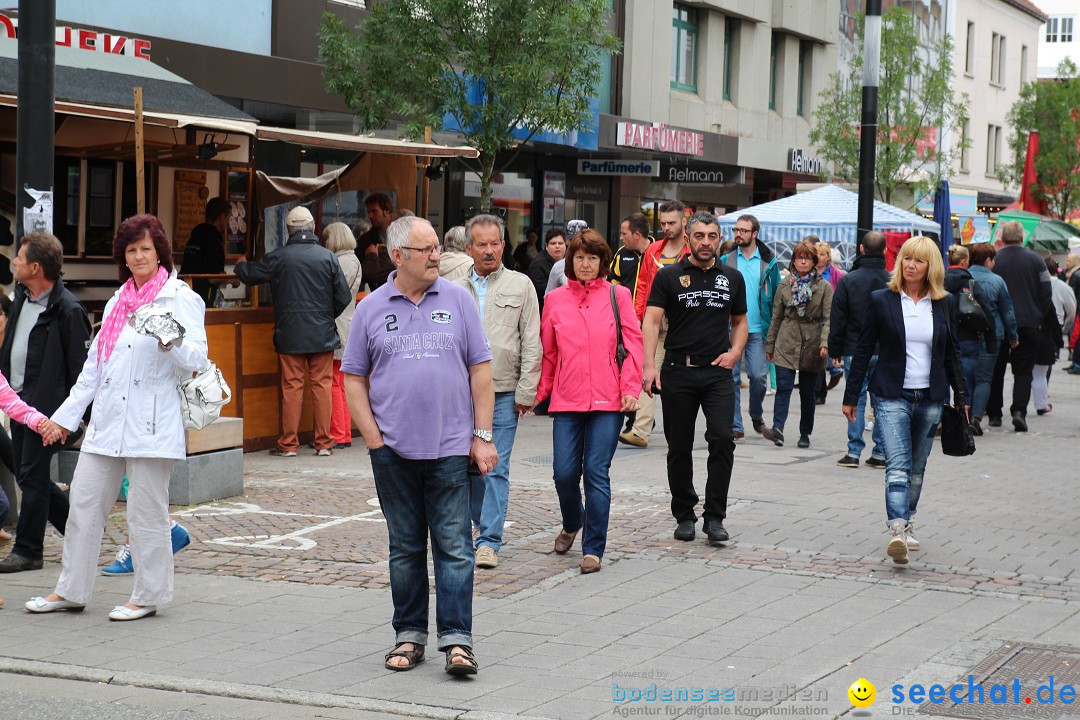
[819,401]
[1019,423]
[976,428]
[685,530]
[342,446]
[17,563]
[759,426]
[777,437]
[714,530]
[804,441]
[1045,410]
[994,421]
[848,461]
[1073,370]
[873,462]
[834,380]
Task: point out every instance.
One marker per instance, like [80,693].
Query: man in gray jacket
[511,316]
[309,292]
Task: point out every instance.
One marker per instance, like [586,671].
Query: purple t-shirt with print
[417,360]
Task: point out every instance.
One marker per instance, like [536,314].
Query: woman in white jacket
[135,428]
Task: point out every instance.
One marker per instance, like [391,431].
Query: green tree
[915,99]
[535,63]
[1053,108]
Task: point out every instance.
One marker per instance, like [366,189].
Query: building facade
[1058,38]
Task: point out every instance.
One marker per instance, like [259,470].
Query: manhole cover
[1003,697]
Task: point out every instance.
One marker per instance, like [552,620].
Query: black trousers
[1022,358]
[42,501]
[685,391]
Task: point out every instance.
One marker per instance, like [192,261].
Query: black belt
[677,358]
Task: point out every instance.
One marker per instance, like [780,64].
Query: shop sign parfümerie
[82,39]
[615,166]
[660,138]
[656,141]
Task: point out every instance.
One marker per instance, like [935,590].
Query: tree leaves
[915,96]
[488,66]
[1053,108]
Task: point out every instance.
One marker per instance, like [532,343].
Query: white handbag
[203,396]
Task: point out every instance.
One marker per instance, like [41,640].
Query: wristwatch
[484,435]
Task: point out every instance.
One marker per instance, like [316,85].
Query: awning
[161,119]
[360,143]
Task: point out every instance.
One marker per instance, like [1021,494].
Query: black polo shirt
[699,305]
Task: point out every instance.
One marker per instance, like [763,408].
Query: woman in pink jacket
[589,388]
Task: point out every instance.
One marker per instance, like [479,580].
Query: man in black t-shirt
[701,299]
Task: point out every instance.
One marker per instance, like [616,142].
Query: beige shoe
[632,439]
[898,547]
[486,557]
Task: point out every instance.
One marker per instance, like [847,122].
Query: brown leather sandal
[414,656]
[469,667]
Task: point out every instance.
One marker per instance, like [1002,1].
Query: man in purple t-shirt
[418,382]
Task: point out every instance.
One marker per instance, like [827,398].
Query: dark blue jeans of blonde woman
[908,425]
[785,383]
[583,445]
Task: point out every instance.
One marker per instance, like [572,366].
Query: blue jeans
[583,445]
[418,497]
[984,375]
[969,363]
[757,368]
[491,492]
[909,424]
[855,442]
[785,383]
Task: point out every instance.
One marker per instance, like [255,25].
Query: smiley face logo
[862,693]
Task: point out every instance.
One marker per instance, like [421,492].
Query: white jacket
[136,393]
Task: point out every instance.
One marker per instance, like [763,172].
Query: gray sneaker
[909,537]
[897,547]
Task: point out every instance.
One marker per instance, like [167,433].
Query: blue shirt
[480,285]
[751,272]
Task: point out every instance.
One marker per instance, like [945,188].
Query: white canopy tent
[829,212]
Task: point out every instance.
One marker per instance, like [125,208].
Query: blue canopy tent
[829,212]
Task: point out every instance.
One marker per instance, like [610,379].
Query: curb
[241,691]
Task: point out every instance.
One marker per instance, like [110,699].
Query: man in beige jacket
[510,312]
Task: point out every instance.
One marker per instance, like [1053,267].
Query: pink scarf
[130,300]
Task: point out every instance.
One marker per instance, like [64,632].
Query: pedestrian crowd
[452,347]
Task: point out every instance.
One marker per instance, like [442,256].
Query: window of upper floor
[684,48]
[969,51]
[1059,29]
[997,59]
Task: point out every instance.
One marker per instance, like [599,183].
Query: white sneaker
[897,547]
[909,537]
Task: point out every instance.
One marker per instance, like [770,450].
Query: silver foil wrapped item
[157,322]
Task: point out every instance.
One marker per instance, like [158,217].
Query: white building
[996,42]
[1058,38]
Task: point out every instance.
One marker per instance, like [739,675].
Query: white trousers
[94,488]
[1039,389]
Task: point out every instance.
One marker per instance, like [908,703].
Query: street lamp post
[35,116]
[869,126]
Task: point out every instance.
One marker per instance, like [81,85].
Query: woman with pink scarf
[136,427]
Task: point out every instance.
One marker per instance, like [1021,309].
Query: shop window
[67,178]
[100,207]
[684,45]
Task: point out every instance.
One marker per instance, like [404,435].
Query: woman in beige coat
[797,341]
[339,240]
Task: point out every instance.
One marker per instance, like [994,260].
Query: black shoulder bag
[620,348]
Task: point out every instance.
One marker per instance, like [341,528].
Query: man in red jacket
[667,251]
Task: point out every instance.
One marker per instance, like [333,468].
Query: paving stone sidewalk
[285,590]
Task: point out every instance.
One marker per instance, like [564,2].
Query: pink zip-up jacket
[577,330]
[16,409]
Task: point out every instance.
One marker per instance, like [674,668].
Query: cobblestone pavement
[282,596]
